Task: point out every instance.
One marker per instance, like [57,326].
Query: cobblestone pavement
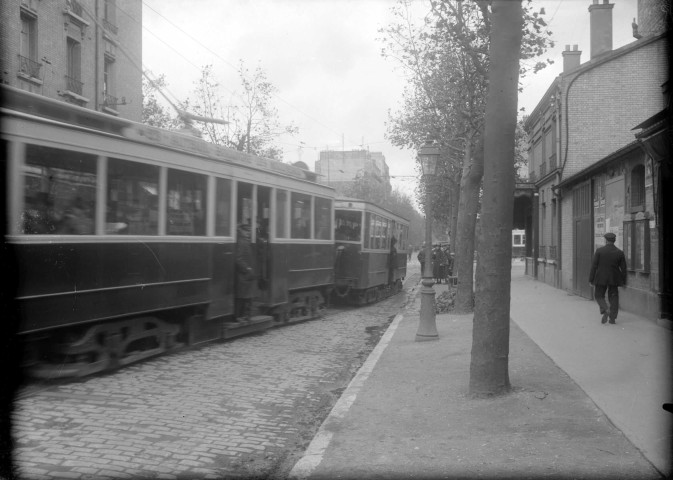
[242,408]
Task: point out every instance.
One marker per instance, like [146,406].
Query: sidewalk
[577,386]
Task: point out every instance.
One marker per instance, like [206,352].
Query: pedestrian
[608,271]
[421,259]
[245,274]
[437,262]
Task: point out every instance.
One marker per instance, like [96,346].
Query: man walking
[608,271]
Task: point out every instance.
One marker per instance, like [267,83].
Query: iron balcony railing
[107,25]
[75,7]
[29,67]
[543,169]
[73,85]
[542,252]
[552,162]
[109,100]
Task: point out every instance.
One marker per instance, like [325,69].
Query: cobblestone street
[236,409]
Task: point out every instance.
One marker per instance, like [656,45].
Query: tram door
[245,284]
[263,248]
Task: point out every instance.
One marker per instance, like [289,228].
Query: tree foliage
[252,120]
[154,112]
[447,60]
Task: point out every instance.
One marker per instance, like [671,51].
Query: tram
[371,245]
[125,236]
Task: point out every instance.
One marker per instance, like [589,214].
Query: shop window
[638,188]
[132,198]
[637,245]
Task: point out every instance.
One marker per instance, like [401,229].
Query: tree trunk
[473,170]
[455,199]
[490,336]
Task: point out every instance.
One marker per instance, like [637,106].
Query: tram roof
[359,204]
[17,100]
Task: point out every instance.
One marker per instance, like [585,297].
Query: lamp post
[427,328]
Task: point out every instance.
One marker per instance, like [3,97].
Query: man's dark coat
[608,266]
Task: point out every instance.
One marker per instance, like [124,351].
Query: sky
[324,58]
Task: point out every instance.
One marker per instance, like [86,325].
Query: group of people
[442,262]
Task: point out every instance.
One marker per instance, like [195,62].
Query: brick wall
[651,16]
[606,102]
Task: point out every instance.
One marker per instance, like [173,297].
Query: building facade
[339,169]
[86,52]
[590,175]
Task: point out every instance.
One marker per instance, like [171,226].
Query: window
[186,204]
[638,188]
[110,15]
[223,207]
[348,225]
[637,245]
[28,64]
[60,192]
[74,72]
[323,218]
[301,215]
[132,198]
[108,82]
[281,213]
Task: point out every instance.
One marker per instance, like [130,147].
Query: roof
[634,145]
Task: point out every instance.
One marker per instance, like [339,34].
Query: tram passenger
[245,274]
[76,219]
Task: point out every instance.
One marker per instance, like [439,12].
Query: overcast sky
[324,57]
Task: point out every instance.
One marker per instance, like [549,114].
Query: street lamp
[427,328]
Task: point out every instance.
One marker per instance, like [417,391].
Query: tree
[252,124]
[154,113]
[490,336]
[448,59]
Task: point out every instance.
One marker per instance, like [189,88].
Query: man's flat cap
[610,237]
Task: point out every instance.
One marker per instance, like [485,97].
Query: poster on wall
[614,208]
[599,212]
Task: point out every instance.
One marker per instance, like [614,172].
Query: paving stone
[182,413]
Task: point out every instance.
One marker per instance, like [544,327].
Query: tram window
[368,230]
[132,198]
[323,218]
[281,213]
[348,225]
[60,192]
[186,203]
[223,207]
[301,215]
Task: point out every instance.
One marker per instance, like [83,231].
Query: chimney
[571,58]
[601,27]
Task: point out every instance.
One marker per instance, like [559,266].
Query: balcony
[74,7]
[109,26]
[73,85]
[552,162]
[542,252]
[29,67]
